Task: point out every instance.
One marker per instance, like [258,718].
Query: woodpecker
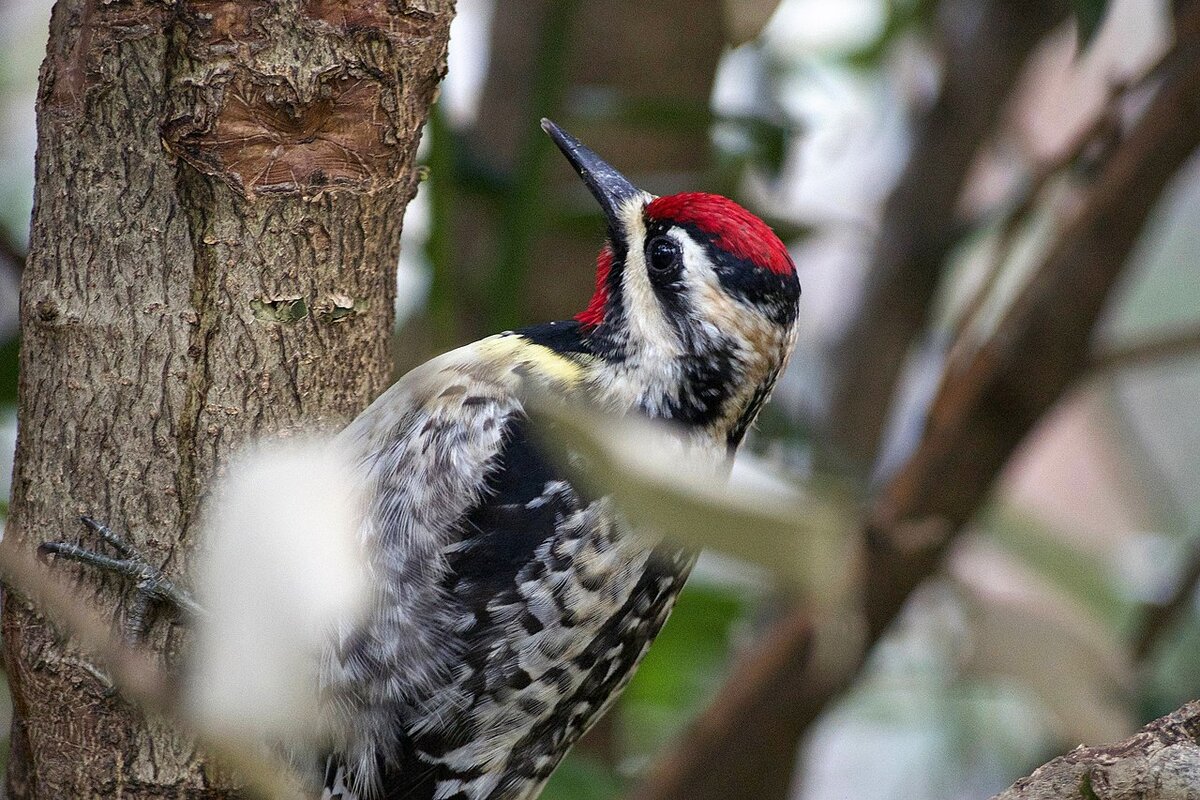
[510,607]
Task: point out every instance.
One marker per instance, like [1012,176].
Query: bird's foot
[151,585]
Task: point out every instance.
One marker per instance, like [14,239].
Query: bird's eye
[664,257]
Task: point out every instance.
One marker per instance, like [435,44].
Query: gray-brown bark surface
[220,188]
[1159,762]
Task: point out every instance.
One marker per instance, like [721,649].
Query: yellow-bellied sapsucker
[510,609]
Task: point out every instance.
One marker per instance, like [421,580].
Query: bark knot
[265,139]
[394,19]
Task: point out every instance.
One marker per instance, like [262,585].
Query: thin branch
[1021,211]
[1090,148]
[1041,345]
[1148,352]
[919,221]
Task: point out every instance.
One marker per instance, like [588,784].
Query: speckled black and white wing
[425,448]
[510,609]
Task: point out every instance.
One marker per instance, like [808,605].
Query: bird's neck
[715,387]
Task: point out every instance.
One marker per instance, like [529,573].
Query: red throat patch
[733,228]
[593,315]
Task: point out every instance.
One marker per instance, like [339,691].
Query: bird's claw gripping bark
[151,585]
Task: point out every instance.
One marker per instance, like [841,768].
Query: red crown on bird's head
[730,226]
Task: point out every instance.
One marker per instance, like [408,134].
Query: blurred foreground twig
[136,672]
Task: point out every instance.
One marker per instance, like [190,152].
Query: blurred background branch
[977,419]
[984,46]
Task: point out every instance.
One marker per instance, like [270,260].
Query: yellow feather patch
[539,359]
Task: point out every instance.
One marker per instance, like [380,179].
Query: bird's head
[695,296]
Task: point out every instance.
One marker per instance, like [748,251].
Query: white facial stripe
[699,274]
[650,330]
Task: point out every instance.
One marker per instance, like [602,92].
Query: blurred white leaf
[280,566]
[668,488]
[811,27]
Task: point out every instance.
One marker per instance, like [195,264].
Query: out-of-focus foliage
[668,489]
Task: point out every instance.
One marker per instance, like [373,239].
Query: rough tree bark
[1159,762]
[220,188]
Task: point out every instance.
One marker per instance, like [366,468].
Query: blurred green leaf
[1087,578]
[1026,629]
[582,778]
[1089,15]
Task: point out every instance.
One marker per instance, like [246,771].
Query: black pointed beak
[610,188]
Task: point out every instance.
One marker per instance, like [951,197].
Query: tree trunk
[216,225]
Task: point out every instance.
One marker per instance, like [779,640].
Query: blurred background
[920,158]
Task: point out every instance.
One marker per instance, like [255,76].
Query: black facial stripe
[775,296]
[616,282]
[709,380]
[669,296]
